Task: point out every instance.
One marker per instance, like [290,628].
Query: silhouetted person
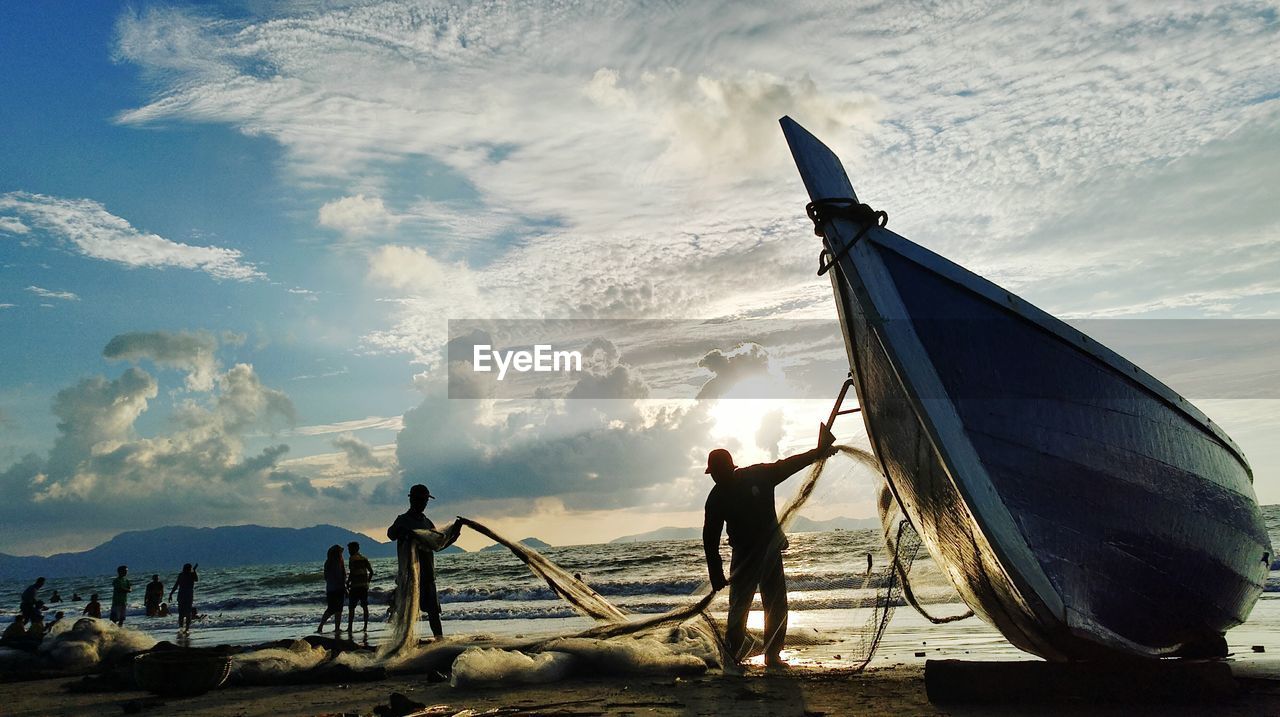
[94,608]
[29,603]
[153,596]
[164,611]
[120,588]
[185,585]
[55,598]
[335,588]
[57,617]
[869,563]
[16,629]
[742,498]
[360,574]
[415,519]
[75,597]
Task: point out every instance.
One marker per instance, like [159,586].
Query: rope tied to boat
[821,211]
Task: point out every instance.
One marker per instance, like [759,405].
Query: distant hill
[530,542]
[800,525]
[804,525]
[168,548]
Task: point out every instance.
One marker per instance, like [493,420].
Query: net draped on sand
[890,585]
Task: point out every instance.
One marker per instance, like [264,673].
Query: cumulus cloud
[464,381]
[50,294]
[192,352]
[466,455]
[358,453]
[605,377]
[198,469]
[413,269]
[356,216]
[87,228]
[729,368]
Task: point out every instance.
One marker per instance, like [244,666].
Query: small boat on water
[1076,503]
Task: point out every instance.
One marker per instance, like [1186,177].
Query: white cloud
[86,227]
[50,294]
[1105,159]
[411,269]
[372,422]
[13,225]
[646,176]
[7,306]
[725,128]
[192,352]
[358,453]
[357,216]
[196,471]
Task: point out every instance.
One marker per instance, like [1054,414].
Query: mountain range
[166,549]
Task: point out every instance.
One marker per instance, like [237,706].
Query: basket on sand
[184,672]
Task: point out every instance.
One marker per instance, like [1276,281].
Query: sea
[492,593]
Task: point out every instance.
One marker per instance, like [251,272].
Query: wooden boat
[1080,506]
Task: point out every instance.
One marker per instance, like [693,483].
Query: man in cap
[742,498]
[402,529]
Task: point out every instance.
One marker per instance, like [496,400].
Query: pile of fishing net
[75,647]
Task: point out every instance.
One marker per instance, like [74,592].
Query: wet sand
[895,690]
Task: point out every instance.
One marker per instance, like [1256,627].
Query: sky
[233,238]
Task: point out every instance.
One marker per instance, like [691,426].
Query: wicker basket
[181,672]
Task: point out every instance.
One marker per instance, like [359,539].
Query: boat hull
[1077,504]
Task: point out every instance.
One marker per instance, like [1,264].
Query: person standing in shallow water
[185,585]
[358,578]
[120,588]
[153,596]
[28,604]
[742,499]
[402,529]
[335,588]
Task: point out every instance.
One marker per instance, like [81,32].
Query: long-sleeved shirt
[744,502]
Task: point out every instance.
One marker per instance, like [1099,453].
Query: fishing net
[890,585]
[404,612]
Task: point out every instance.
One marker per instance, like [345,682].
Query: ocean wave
[280,581]
[551,609]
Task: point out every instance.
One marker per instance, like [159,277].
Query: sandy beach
[821,682]
[896,690]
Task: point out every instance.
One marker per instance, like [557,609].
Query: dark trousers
[752,570]
[429,602]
